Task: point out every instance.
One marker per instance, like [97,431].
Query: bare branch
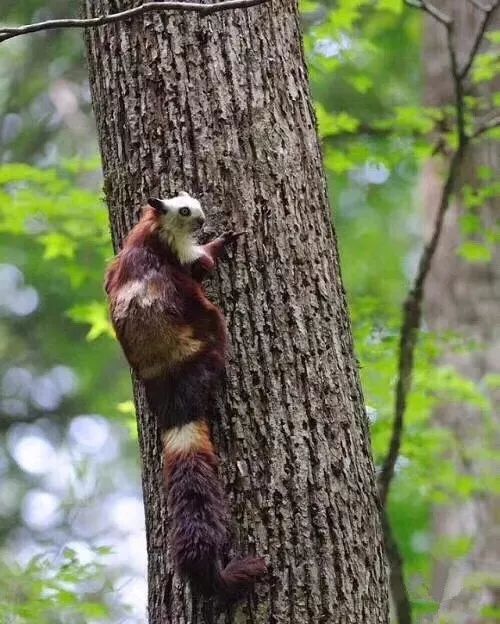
[488,14]
[479,5]
[412,316]
[457,85]
[148,7]
[399,591]
[486,127]
[429,8]
[412,308]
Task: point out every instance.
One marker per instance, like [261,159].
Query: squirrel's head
[179,215]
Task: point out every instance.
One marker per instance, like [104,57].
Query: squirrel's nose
[200,220]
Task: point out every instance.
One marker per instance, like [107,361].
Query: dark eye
[184,211]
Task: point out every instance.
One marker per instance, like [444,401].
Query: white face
[181,214]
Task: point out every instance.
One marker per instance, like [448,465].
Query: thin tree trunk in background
[221,107]
[463,297]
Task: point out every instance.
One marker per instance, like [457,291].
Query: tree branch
[485,127]
[479,5]
[148,7]
[412,316]
[429,8]
[412,307]
[488,14]
[399,591]
[457,85]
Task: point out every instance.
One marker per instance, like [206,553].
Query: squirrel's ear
[157,204]
[184,194]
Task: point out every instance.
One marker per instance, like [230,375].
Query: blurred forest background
[72,546]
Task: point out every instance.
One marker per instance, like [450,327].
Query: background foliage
[71,528]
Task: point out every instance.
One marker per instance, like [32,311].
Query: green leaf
[487,66]
[57,245]
[475,252]
[126,407]
[94,314]
[492,380]
[425,607]
[95,610]
[395,6]
[493,36]
[485,173]
[470,224]
[361,83]
[338,161]
[332,124]
[454,548]
[309,6]
[490,612]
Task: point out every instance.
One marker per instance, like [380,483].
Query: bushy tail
[196,501]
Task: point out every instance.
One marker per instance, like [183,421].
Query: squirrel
[175,339]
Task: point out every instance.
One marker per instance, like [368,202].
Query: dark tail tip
[240,575]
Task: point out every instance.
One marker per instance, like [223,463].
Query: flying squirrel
[175,339]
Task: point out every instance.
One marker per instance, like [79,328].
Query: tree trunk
[221,107]
[462,297]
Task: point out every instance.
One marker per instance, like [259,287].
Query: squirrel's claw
[231,236]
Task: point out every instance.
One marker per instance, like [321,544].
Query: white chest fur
[183,246]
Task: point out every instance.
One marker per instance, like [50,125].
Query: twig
[488,14]
[457,85]
[412,308]
[485,127]
[147,7]
[399,591]
[384,132]
[479,5]
[429,8]
[412,315]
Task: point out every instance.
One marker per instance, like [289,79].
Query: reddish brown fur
[146,230]
[175,340]
[179,323]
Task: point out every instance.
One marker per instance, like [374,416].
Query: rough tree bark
[221,107]
[463,297]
